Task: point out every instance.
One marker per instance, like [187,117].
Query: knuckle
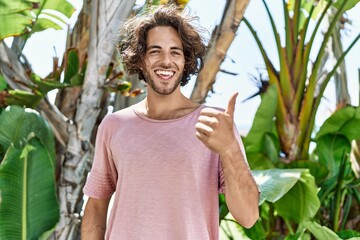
[215,123]
[219,114]
[201,118]
[204,110]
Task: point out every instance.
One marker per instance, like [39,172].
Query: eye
[176,53]
[154,51]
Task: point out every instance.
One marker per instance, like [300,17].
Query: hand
[216,128]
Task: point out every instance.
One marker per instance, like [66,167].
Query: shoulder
[117,117]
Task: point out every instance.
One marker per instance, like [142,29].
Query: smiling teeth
[166,73]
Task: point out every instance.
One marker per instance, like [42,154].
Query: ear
[141,64]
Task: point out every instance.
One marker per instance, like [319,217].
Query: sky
[243,56]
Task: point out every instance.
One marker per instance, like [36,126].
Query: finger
[210,121]
[200,136]
[210,112]
[231,105]
[203,128]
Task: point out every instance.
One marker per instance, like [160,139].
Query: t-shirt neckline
[166,120]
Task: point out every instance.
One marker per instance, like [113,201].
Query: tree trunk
[341,86]
[12,69]
[105,22]
[78,38]
[222,38]
[335,49]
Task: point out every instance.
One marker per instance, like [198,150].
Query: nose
[166,59]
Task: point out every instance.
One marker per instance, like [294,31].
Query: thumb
[231,105]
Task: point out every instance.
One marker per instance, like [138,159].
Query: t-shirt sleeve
[221,179]
[101,181]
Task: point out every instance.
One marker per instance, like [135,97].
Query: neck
[163,107]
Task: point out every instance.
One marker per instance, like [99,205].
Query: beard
[162,89]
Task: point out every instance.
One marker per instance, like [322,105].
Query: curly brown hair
[132,44]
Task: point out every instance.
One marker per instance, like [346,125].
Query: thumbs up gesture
[216,128]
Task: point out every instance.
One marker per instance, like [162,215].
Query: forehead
[163,36]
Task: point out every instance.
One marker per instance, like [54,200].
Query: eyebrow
[158,47]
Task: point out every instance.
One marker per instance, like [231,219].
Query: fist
[216,128]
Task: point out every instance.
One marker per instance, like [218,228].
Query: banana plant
[300,87]
[73,70]
[39,87]
[341,188]
[294,103]
[305,198]
[20,17]
[29,206]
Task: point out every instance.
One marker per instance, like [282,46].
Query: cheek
[183,66]
[147,64]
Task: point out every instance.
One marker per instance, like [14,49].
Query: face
[164,60]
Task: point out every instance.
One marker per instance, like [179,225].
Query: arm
[241,191]
[94,220]
[216,130]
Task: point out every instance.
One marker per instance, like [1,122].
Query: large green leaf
[335,136]
[349,234]
[263,121]
[71,64]
[45,19]
[350,4]
[223,209]
[259,161]
[43,23]
[22,98]
[61,6]
[15,17]
[330,150]
[301,202]
[29,205]
[46,85]
[16,6]
[320,232]
[3,84]
[317,169]
[39,90]
[13,25]
[275,183]
[271,147]
[306,6]
[345,121]
[261,143]
[19,17]
[17,123]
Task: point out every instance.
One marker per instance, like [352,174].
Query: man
[166,157]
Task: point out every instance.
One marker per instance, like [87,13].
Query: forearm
[94,220]
[241,191]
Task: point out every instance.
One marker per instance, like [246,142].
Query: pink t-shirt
[166,180]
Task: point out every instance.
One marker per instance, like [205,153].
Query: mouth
[165,74]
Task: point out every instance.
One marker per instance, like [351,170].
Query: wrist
[230,151]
